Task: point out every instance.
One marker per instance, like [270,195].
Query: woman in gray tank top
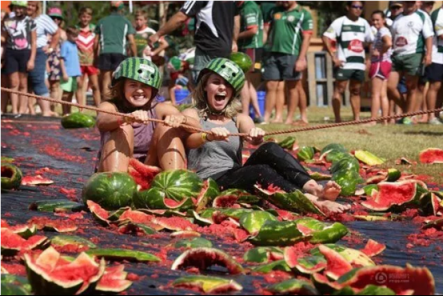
[135,85]
[218,156]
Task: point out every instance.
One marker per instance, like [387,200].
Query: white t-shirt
[409,33]
[378,44]
[45,26]
[437,48]
[141,41]
[350,37]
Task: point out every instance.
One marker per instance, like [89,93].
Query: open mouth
[220,97]
[139,97]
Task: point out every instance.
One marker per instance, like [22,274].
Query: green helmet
[227,69]
[175,64]
[139,69]
[20,3]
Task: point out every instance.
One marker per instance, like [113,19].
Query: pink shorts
[380,70]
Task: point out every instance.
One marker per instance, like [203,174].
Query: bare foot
[279,121]
[300,123]
[331,192]
[332,207]
[373,123]
[289,122]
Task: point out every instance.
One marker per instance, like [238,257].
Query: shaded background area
[70,156]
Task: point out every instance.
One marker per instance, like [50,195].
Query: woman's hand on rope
[175,121]
[256,136]
[219,134]
[139,116]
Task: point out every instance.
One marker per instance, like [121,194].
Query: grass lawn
[389,142]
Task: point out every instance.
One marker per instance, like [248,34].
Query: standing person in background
[287,58]
[19,35]
[70,66]
[250,41]
[53,67]
[217,30]
[412,32]
[435,71]
[142,33]
[86,43]
[112,34]
[426,7]
[381,65]
[351,33]
[45,27]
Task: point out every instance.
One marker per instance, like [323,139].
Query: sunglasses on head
[357,7]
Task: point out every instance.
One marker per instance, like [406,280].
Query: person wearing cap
[135,85]
[395,9]
[113,34]
[218,156]
[435,71]
[54,68]
[45,27]
[412,35]
[19,33]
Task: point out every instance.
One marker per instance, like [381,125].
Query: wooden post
[312,83]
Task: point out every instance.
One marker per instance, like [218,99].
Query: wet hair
[201,99]
[72,31]
[380,12]
[85,10]
[142,13]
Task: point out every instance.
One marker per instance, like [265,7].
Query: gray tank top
[218,156]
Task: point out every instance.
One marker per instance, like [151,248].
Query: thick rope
[289,131]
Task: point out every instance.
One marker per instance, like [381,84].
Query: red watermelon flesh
[373,248]
[53,225]
[431,156]
[391,194]
[12,242]
[100,214]
[337,265]
[114,280]
[142,174]
[140,218]
[48,267]
[226,201]
[36,180]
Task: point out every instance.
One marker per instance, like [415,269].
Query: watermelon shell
[78,120]
[111,191]
[178,184]
[208,285]
[305,153]
[391,195]
[11,176]
[431,156]
[50,274]
[242,60]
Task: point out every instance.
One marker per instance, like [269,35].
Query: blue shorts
[402,86]
[36,78]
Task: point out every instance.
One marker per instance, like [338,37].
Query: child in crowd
[70,66]
[86,45]
[53,66]
[142,33]
[179,70]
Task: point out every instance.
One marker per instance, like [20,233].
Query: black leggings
[269,165]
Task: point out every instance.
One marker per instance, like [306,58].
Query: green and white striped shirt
[350,37]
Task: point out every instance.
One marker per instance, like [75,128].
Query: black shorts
[434,72]
[280,67]
[110,61]
[16,61]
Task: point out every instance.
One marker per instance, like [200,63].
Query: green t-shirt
[287,28]
[113,31]
[251,16]
[141,40]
